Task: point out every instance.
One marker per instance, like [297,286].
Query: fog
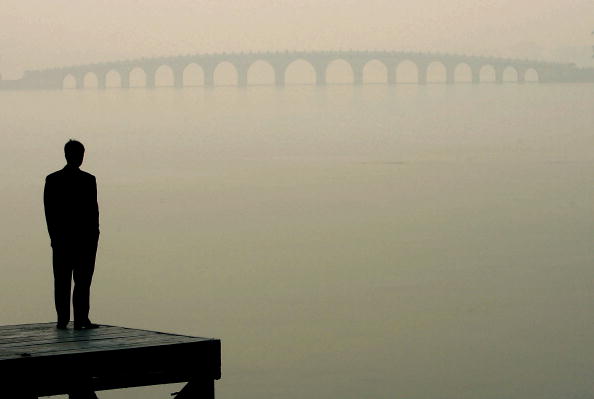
[395,232]
[40,33]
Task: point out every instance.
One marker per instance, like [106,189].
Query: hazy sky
[40,33]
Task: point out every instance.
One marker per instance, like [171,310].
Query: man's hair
[73,150]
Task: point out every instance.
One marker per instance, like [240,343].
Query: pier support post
[357,73]
[242,72]
[476,75]
[83,395]
[391,71]
[208,75]
[18,394]
[125,79]
[178,77]
[279,75]
[320,74]
[499,74]
[150,79]
[79,81]
[101,78]
[422,74]
[521,75]
[450,74]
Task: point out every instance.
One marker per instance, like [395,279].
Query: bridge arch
[511,74]
[164,76]
[339,71]
[137,77]
[261,72]
[113,79]
[300,72]
[193,75]
[531,75]
[407,71]
[226,74]
[375,71]
[436,72]
[463,73]
[69,82]
[90,80]
[487,74]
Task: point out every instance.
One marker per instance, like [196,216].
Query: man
[72,215]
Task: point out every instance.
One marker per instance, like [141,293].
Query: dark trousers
[73,261]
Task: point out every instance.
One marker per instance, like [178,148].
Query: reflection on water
[343,242]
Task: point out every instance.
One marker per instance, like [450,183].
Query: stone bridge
[318,62]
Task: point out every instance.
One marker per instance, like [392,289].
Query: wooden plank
[58,336]
[25,327]
[100,341]
[87,346]
[65,338]
[87,337]
[90,337]
[50,330]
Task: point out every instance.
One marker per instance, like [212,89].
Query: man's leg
[83,275]
[62,282]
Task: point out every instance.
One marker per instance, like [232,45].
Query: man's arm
[95,208]
[50,208]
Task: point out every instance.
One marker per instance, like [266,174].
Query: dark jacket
[71,209]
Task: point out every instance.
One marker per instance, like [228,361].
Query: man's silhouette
[72,215]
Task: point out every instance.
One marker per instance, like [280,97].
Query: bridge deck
[56,78]
[40,360]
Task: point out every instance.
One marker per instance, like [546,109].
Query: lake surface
[344,242]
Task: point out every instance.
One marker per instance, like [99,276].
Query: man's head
[74,152]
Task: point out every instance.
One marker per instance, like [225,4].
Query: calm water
[373,242]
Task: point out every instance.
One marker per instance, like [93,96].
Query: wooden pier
[39,360]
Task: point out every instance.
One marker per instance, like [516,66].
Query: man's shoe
[86,326]
[62,326]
